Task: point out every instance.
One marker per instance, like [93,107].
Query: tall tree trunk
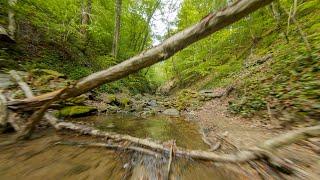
[116,37]
[85,17]
[12,22]
[208,25]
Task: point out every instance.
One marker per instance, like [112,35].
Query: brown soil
[217,122]
[234,133]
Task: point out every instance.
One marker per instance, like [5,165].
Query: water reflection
[160,128]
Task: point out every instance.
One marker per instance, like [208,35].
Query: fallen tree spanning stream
[264,151]
[208,25]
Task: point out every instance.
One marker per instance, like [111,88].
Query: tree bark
[85,17]
[34,119]
[117,27]
[208,25]
[12,22]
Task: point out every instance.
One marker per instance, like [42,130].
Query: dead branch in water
[260,152]
[111,146]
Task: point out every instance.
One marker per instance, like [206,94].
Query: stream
[39,158]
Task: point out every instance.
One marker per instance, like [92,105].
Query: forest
[159,89]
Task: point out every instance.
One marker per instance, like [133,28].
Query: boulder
[76,111]
[171,112]
[152,103]
[5,81]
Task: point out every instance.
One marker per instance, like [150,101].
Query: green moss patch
[76,111]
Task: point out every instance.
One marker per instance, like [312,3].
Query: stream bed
[41,159]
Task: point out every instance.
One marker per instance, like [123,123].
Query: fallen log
[262,151]
[35,118]
[213,22]
[29,94]
[112,146]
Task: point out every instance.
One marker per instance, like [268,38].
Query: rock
[5,37]
[171,112]
[5,81]
[138,97]
[152,103]
[108,98]
[168,86]
[210,94]
[76,111]
[123,100]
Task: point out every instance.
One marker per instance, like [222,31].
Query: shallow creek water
[40,159]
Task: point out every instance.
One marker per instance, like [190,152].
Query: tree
[210,24]
[11,20]
[149,17]
[117,26]
[85,17]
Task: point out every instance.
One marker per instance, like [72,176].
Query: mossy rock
[124,101]
[76,111]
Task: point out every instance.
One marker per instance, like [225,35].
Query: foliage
[289,83]
[49,37]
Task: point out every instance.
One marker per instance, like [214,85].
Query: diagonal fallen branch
[212,23]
